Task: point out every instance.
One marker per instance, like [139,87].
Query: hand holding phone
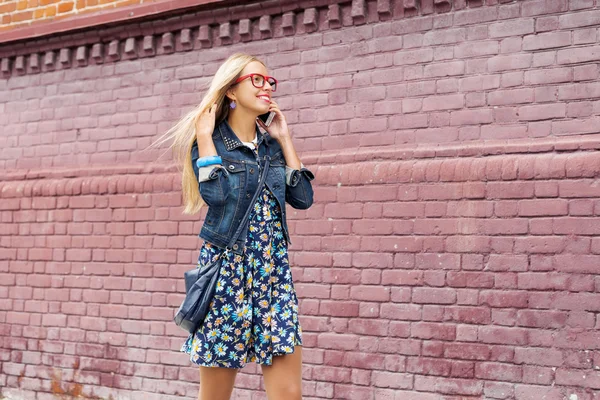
[267,118]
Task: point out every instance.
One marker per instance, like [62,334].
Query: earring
[232,104]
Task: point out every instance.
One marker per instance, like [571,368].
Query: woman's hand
[278,128]
[205,124]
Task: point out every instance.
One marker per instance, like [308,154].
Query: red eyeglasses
[259,80]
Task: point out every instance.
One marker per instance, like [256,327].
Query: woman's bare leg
[283,379]
[216,383]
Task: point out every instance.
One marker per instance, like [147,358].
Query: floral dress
[254,313]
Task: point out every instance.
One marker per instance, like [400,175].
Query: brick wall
[20,13]
[452,251]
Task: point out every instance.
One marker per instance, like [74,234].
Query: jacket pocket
[235,173]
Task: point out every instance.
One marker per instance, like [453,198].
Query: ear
[230,95]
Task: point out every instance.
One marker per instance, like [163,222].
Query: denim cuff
[289,172]
[292,176]
[206,173]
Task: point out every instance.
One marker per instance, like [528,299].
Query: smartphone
[267,118]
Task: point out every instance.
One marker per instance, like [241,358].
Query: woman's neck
[244,126]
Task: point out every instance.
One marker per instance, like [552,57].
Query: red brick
[585,72]
[437,261]
[536,281]
[578,55]
[338,309]
[580,109]
[511,79]
[412,25]
[308,290]
[539,7]
[391,380]
[545,76]
[500,132]
[413,56]
[498,390]
[531,392]
[546,40]
[446,36]
[581,188]
[470,279]
[509,62]
[470,117]
[437,135]
[495,298]
[434,295]
[443,102]
[575,20]
[542,319]
[370,293]
[498,372]
[468,244]
[537,375]
[451,386]
[427,330]
[468,50]
[581,226]
[511,28]
[548,207]
[577,302]
[444,69]
[475,16]
[575,377]
[466,351]
[512,190]
[402,278]
[468,315]
[545,24]
[338,341]
[428,366]
[514,96]
[540,244]
[369,327]
[476,83]
[501,335]
[352,392]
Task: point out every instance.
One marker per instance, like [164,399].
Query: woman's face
[247,96]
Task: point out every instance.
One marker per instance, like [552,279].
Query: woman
[224,149]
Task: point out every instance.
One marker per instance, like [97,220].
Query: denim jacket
[228,188]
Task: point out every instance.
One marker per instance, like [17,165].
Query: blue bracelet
[209,160]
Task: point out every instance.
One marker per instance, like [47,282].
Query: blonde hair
[183,133]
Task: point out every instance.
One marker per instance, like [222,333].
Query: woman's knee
[216,383]
[285,391]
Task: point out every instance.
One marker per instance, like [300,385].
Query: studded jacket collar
[231,140]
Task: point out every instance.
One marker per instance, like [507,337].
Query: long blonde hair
[183,133]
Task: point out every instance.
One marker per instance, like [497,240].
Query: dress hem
[257,362]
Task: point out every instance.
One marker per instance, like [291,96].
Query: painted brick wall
[452,251]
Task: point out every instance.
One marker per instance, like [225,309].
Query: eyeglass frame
[265,79]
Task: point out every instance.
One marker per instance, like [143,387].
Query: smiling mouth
[265,98]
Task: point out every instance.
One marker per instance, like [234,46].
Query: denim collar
[230,139]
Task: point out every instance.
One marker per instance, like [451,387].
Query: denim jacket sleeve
[212,181]
[299,191]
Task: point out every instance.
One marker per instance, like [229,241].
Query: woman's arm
[212,179]
[289,152]
[299,191]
